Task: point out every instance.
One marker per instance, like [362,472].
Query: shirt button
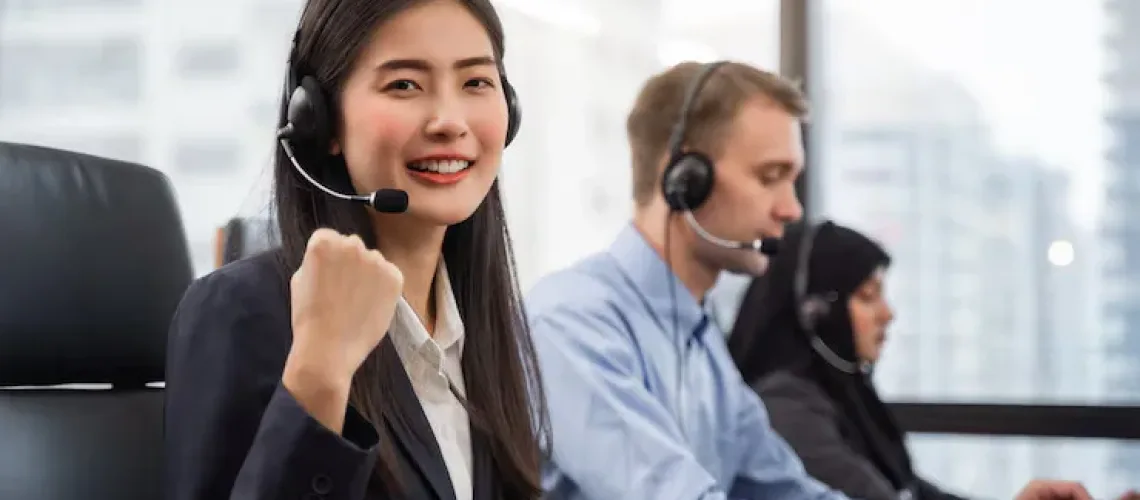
[322,484]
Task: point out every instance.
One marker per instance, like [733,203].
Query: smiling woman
[286,366]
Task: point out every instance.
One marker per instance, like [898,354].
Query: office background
[992,145]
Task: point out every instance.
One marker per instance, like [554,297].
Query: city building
[1120,232]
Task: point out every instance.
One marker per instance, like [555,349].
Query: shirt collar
[656,283]
[413,342]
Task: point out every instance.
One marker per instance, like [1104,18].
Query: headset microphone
[388,201]
[766,246]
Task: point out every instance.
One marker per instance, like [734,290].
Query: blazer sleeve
[232,430]
[801,416]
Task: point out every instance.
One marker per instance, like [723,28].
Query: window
[265,111]
[994,129]
[275,19]
[46,76]
[207,156]
[207,60]
[568,192]
[58,6]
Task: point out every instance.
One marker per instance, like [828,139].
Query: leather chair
[93,263]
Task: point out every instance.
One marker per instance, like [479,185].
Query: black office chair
[93,262]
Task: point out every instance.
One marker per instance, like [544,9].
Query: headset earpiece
[813,309]
[688,177]
[514,110]
[687,181]
[308,114]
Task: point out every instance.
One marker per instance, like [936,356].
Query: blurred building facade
[128,79]
[982,314]
[1120,228]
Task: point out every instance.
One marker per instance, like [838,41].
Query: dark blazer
[232,430]
[806,418]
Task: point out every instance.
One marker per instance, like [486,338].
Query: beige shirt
[430,362]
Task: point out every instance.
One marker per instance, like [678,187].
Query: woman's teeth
[440,166]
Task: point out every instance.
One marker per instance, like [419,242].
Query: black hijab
[767,338]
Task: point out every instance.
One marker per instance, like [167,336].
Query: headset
[811,308]
[689,175]
[687,183]
[309,122]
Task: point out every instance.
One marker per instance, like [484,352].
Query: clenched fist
[343,299]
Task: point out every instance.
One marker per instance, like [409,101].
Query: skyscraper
[1121,226]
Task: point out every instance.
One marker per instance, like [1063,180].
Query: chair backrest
[93,263]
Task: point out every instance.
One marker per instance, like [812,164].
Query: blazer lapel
[414,433]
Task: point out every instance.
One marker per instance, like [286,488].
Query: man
[644,399]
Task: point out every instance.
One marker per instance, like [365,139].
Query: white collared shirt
[430,362]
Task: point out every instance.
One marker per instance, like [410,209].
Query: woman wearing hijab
[819,393]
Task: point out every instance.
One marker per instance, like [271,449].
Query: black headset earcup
[687,181]
[309,114]
[813,310]
[514,111]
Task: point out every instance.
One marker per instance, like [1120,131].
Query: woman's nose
[447,122]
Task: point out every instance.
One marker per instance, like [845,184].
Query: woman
[819,394]
[384,355]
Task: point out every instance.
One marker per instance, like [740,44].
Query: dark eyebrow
[475,61]
[422,65]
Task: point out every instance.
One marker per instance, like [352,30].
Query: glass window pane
[155,83]
[48,75]
[970,139]
[207,156]
[983,144]
[996,162]
[577,65]
[206,60]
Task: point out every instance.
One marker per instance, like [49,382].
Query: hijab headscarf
[768,337]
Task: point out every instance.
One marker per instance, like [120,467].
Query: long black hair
[504,397]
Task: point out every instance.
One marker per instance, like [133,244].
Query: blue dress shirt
[644,399]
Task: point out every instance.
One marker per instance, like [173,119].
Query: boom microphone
[388,201]
[766,246]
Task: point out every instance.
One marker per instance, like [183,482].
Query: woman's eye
[402,85]
[479,83]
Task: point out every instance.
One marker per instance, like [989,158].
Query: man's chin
[753,265]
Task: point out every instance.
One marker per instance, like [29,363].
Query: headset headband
[677,137]
[803,264]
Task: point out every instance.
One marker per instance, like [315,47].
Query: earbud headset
[811,308]
[309,121]
[689,175]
